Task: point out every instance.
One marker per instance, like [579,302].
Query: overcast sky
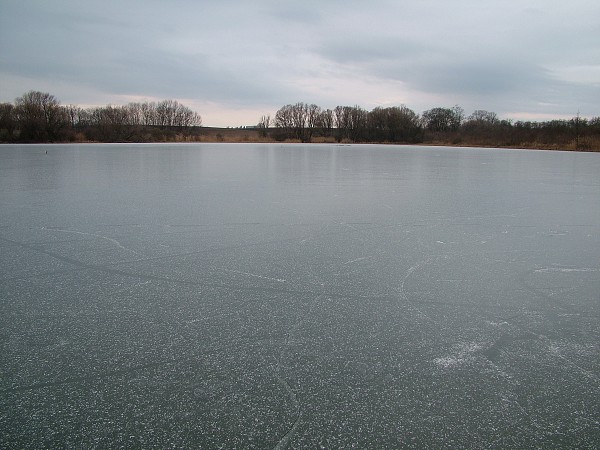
[235,60]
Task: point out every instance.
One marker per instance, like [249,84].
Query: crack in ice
[357,260]
[114,241]
[566,269]
[284,441]
[279,280]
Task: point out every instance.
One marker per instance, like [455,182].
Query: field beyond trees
[39,117]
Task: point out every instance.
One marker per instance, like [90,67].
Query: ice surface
[245,296]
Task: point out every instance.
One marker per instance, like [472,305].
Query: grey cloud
[500,55]
[501,77]
[171,76]
[475,78]
[435,69]
[103,53]
[373,49]
[293,12]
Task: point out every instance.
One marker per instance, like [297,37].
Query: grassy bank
[251,135]
[254,135]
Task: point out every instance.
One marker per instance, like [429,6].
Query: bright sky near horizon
[235,60]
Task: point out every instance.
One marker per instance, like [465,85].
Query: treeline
[451,126]
[39,117]
[352,123]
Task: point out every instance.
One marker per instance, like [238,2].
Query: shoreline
[255,136]
[555,147]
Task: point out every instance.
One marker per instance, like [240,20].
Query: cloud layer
[234,60]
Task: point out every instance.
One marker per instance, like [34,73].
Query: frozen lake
[298,296]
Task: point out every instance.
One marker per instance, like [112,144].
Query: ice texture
[298,296]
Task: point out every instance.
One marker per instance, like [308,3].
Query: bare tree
[439,119]
[458,117]
[263,124]
[7,121]
[482,116]
[285,121]
[394,124]
[313,114]
[40,116]
[351,122]
[326,121]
